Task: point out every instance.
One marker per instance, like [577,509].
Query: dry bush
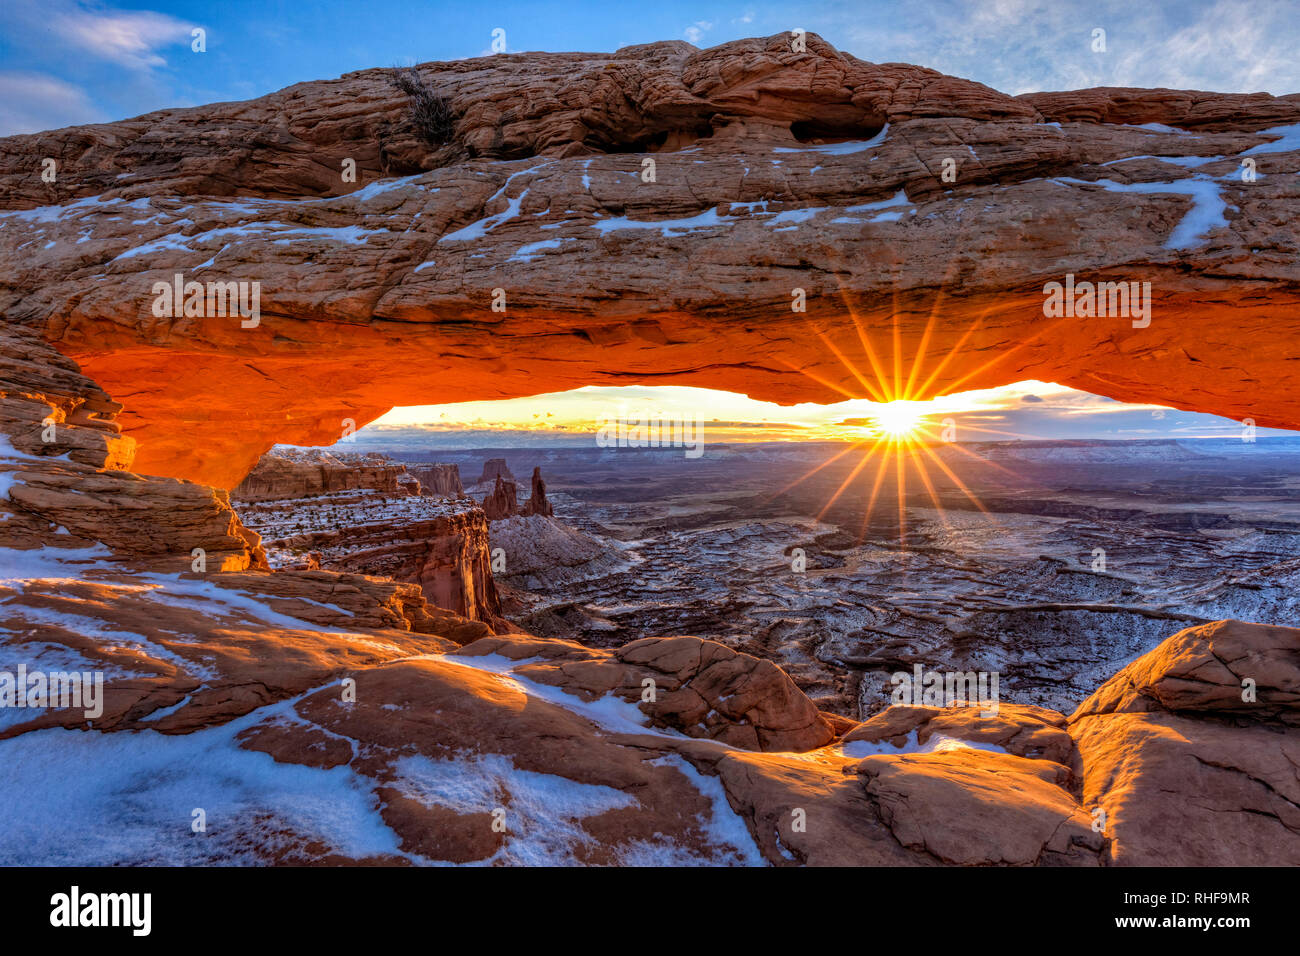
[431,112]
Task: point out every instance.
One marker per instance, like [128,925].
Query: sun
[899,419]
[896,435]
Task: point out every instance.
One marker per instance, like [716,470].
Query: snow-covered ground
[88,796]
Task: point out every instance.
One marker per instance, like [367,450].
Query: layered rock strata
[495,468]
[298,475]
[439,480]
[502,502]
[441,545]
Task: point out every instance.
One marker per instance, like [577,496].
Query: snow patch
[1289,139]
[839,149]
[935,743]
[532,250]
[542,810]
[132,793]
[1207,210]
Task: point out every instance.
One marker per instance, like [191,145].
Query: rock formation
[537,503]
[64,483]
[495,468]
[285,475]
[503,500]
[1212,712]
[501,503]
[439,480]
[366,514]
[799,178]
[1189,752]
[694,686]
[443,547]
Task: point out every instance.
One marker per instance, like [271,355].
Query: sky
[66,62]
[1024,410]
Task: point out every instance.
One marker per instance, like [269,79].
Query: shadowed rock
[537,503]
[1191,751]
[502,502]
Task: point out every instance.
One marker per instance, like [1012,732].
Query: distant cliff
[299,474]
[446,554]
[366,514]
[440,480]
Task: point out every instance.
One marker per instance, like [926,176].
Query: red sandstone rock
[980,808]
[303,506]
[1226,669]
[537,503]
[1186,770]
[440,480]
[1019,729]
[698,687]
[447,557]
[688,279]
[1187,761]
[440,545]
[63,455]
[495,468]
[501,503]
[285,476]
[211,651]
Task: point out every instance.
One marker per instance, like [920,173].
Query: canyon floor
[1063,563]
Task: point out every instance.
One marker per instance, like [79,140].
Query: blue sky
[64,62]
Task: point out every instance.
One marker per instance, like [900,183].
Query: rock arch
[380,292]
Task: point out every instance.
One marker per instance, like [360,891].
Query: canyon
[369,517]
[1052,564]
[297,475]
[383,710]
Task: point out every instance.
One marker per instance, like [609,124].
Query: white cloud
[695,32]
[132,39]
[127,39]
[1017,46]
[30,102]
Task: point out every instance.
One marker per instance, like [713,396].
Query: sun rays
[899,419]
[901,436]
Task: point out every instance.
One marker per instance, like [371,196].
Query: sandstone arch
[378,293]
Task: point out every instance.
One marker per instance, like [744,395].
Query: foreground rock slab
[1209,716]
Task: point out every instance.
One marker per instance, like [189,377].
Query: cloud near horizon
[1024,410]
[32,102]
